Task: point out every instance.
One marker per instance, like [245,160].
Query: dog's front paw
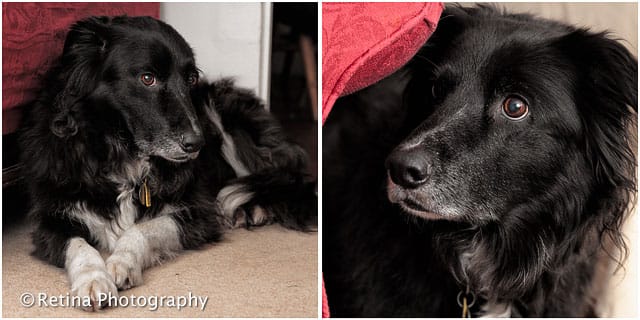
[94,288]
[125,270]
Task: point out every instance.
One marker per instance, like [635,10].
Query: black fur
[518,211]
[277,165]
[94,120]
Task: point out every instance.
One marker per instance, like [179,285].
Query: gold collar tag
[144,195]
[465,304]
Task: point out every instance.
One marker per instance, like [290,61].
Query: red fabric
[325,303]
[364,42]
[32,37]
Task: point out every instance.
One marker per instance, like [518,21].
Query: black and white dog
[127,153]
[495,169]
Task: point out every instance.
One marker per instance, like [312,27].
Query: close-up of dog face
[497,164]
[516,111]
[139,71]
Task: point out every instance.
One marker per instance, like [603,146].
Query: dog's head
[519,113]
[134,71]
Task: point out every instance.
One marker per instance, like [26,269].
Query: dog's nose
[191,142]
[409,168]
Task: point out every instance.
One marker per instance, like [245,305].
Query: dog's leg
[228,147]
[231,199]
[58,241]
[270,196]
[88,275]
[149,242]
[142,246]
[270,187]
[259,142]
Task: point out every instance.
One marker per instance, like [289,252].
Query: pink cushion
[325,304]
[32,38]
[364,42]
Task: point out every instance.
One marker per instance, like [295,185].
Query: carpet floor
[266,272]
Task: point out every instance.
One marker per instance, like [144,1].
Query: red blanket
[32,37]
[364,42]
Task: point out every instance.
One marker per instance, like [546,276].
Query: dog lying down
[126,149]
[495,168]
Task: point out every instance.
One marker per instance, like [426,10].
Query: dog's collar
[144,194]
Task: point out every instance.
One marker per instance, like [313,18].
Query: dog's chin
[403,199]
[410,207]
[181,157]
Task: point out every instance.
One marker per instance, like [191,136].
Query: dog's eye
[148,79]
[515,108]
[192,80]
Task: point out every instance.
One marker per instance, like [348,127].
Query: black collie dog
[494,170]
[126,152]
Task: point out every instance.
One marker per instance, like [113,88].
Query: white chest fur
[107,231]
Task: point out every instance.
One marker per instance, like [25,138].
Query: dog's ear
[605,65]
[606,93]
[87,38]
[63,125]
[85,47]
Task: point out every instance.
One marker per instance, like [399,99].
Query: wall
[229,39]
[619,18]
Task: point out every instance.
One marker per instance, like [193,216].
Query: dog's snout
[191,141]
[409,168]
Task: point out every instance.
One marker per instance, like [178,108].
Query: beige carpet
[267,272]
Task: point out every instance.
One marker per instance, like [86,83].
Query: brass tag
[144,195]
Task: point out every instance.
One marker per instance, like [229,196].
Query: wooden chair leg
[309,60]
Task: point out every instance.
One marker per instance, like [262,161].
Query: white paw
[256,217]
[125,270]
[260,216]
[94,287]
[233,197]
